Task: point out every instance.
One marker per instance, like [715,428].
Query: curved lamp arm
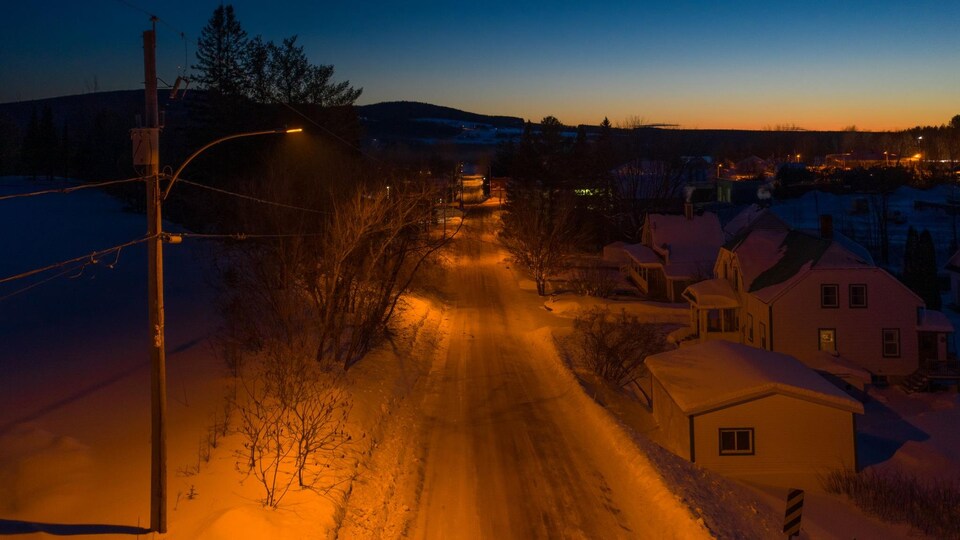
[176,174]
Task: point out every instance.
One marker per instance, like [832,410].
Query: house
[751,414]
[674,252]
[819,297]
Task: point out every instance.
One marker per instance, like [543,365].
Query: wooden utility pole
[147,152]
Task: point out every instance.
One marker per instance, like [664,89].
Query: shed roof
[934,321]
[720,374]
[686,240]
[714,293]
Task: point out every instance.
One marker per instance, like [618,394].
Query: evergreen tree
[928,283]
[29,148]
[221,53]
[259,70]
[910,260]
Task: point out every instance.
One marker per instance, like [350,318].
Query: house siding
[794,440]
[674,425]
[798,316]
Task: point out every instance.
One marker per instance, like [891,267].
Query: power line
[41,282]
[90,258]
[70,189]
[331,133]
[252,198]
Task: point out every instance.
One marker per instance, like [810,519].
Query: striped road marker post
[791,519]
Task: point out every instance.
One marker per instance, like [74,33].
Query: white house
[674,252]
[752,414]
[818,297]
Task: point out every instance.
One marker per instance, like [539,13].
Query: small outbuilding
[752,414]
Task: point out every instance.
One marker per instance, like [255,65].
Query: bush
[615,346]
[593,280]
[932,507]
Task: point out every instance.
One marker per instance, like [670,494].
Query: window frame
[820,340]
[850,296]
[751,451]
[884,342]
[836,288]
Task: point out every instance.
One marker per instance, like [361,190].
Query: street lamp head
[293,130]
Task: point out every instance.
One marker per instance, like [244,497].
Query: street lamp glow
[293,130]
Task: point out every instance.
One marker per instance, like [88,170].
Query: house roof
[641,254]
[772,259]
[691,242]
[753,216]
[934,321]
[954,263]
[714,293]
[720,374]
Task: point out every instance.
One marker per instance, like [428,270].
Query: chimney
[826,227]
[688,210]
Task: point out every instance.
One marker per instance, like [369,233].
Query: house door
[828,340]
[929,351]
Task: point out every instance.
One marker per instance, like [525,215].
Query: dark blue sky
[818,65]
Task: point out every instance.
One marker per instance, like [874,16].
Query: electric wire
[331,133]
[88,259]
[71,189]
[41,282]
[252,198]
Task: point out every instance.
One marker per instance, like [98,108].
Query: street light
[158,379]
[176,174]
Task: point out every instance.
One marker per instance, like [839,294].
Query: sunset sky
[818,65]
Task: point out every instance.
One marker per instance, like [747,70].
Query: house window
[730,320]
[891,343]
[828,339]
[736,442]
[830,295]
[858,295]
[750,327]
[763,335]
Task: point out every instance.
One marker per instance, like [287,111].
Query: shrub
[615,346]
[932,507]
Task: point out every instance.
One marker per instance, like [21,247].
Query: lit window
[736,442]
[858,295]
[891,342]
[830,296]
[828,339]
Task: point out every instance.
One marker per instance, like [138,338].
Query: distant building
[817,296]
[752,414]
[675,251]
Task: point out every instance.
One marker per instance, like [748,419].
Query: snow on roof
[773,259]
[695,240]
[720,374]
[954,262]
[837,365]
[753,216]
[641,253]
[934,321]
[714,293]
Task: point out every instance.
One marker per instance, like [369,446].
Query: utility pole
[146,144]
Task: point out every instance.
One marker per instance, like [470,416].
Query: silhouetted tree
[221,53]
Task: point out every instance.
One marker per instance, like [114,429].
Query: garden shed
[752,414]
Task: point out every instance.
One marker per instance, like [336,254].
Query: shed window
[736,442]
[891,342]
[830,295]
[858,295]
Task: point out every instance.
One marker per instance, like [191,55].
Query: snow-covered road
[508,452]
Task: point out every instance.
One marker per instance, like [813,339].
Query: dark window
[730,320]
[750,327]
[714,323]
[763,335]
[891,342]
[736,442]
[830,296]
[858,295]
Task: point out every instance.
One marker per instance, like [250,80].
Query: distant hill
[413,110]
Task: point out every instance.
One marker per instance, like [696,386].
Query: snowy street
[508,453]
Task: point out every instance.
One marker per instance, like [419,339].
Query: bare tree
[539,231]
